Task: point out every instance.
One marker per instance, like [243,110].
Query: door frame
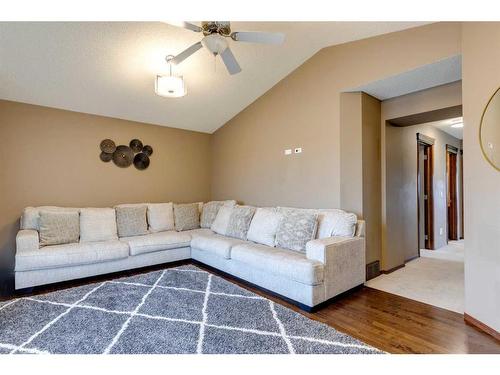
[428,142]
[451,193]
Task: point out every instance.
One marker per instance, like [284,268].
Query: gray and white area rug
[172,311]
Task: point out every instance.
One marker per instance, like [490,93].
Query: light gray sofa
[328,267]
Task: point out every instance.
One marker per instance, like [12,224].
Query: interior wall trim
[481,326]
[422,138]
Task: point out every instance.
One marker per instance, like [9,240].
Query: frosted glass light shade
[170,86]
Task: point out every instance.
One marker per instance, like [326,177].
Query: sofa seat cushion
[199,232]
[156,242]
[216,244]
[287,263]
[72,254]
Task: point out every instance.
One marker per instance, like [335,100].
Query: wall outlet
[441,231]
[298,150]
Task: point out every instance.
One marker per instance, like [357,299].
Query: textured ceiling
[109,68]
[446,126]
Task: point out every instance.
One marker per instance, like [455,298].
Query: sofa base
[307,295]
[306,308]
[27,279]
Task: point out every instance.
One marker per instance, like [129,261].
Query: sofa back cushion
[239,221]
[264,226]
[186,216]
[59,227]
[332,222]
[31,215]
[210,210]
[296,228]
[131,221]
[97,224]
[161,216]
[221,221]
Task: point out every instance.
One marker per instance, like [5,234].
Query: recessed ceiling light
[458,125]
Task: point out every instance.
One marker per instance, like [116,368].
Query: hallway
[435,278]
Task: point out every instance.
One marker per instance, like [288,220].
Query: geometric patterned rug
[172,311]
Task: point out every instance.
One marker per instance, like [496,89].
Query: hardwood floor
[392,323]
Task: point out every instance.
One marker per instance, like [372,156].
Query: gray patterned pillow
[131,220]
[297,227]
[186,216]
[57,228]
[209,213]
[239,222]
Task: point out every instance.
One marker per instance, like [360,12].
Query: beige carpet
[436,278]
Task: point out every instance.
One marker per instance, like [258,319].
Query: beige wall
[481,77]
[303,110]
[360,164]
[51,157]
[399,166]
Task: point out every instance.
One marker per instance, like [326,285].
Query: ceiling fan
[215,34]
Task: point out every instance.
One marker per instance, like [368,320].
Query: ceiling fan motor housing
[216,27]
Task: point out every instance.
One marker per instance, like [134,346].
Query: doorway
[451,193]
[425,203]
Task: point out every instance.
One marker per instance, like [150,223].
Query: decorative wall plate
[141,161]
[136,145]
[108,146]
[105,157]
[123,156]
[148,150]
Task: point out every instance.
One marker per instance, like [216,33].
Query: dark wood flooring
[383,320]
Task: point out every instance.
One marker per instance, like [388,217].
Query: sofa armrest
[343,259]
[27,240]
[329,248]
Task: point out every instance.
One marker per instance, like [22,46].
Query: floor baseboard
[481,326]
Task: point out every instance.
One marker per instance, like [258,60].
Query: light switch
[298,150]
[288,151]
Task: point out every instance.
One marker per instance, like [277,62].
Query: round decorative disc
[123,156]
[148,150]
[136,145]
[108,146]
[141,161]
[105,157]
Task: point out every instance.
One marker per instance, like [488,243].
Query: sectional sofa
[306,256]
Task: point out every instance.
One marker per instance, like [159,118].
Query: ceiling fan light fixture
[170,86]
[215,43]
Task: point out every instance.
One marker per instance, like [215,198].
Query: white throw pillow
[97,224]
[161,216]
[327,219]
[344,224]
[264,226]
[221,221]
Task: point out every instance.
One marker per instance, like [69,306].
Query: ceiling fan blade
[230,61]
[186,25]
[185,54]
[258,37]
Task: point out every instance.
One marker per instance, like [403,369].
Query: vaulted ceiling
[108,68]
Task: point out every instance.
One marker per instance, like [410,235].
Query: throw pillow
[221,221]
[264,225]
[186,216]
[97,224]
[239,221]
[57,228]
[345,224]
[131,221]
[297,227]
[161,216]
[210,210]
